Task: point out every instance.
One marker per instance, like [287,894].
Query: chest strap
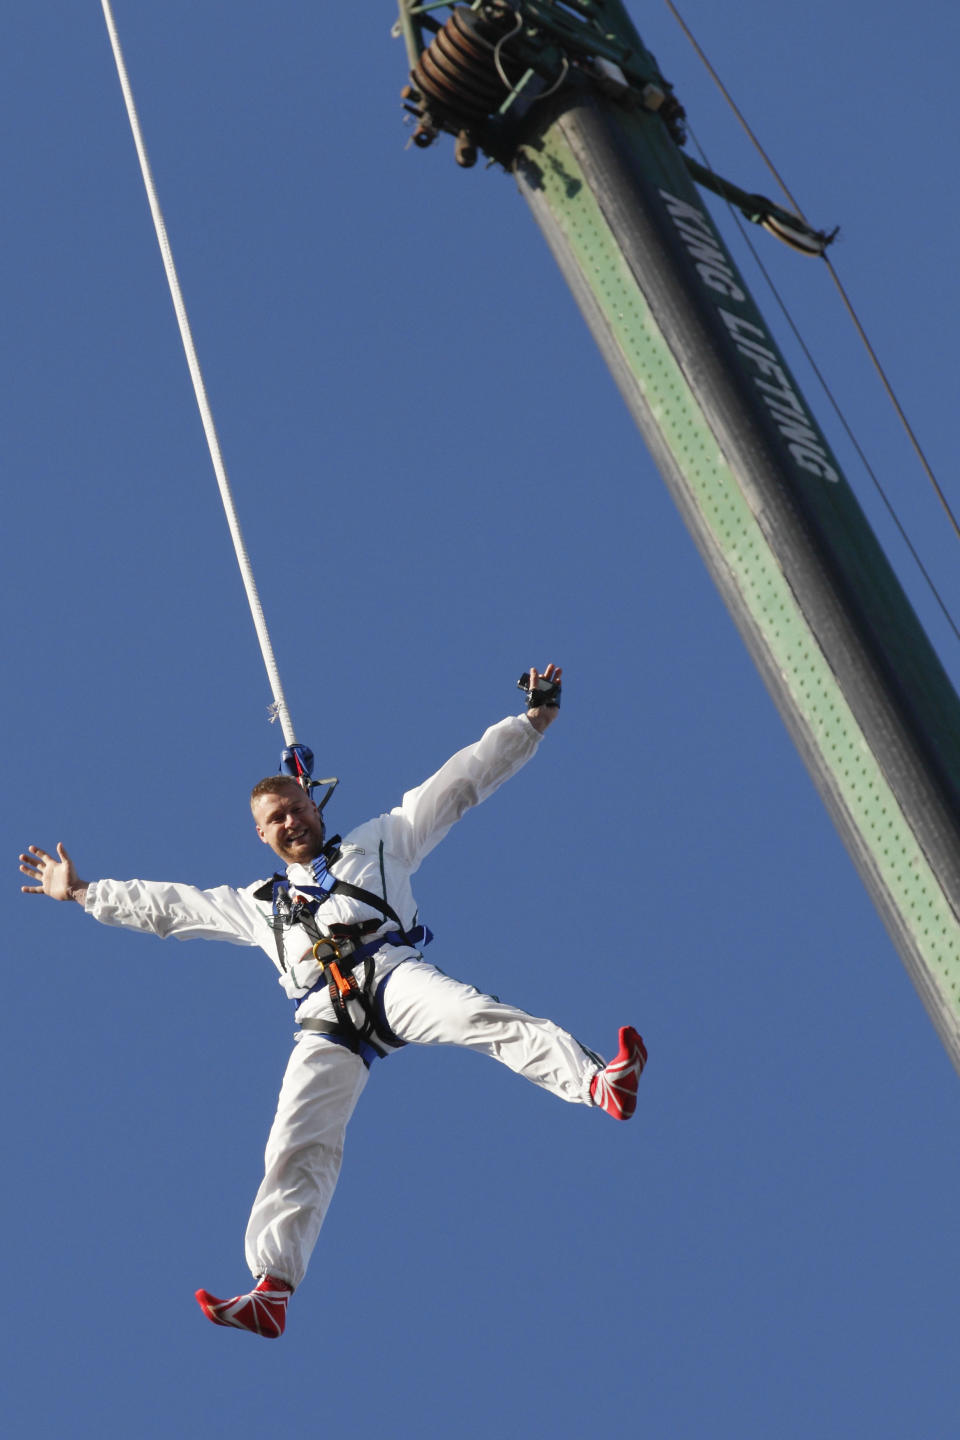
[287,912]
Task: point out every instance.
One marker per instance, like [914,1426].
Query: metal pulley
[464,76]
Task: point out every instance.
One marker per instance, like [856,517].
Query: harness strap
[370,1049]
[339,951]
[330,1029]
[337,974]
[367,897]
[359,954]
[287,912]
[375,1034]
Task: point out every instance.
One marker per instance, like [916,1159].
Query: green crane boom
[567,98]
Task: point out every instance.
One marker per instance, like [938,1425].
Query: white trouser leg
[304,1150]
[425,1007]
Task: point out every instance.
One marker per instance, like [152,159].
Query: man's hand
[57,877]
[543,715]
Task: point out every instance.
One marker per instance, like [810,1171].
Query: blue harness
[373,1037]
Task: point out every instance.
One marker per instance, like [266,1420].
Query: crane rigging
[568,99]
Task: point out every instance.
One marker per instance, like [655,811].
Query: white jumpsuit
[422,1006]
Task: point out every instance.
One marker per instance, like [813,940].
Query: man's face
[290,824]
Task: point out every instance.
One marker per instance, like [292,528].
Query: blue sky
[439,485]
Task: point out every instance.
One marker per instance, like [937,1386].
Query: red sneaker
[614,1088]
[262,1312]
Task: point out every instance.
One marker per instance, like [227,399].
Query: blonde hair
[273,785]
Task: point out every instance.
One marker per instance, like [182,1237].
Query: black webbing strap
[355,1035]
[367,897]
[302,912]
[287,913]
[369,1050]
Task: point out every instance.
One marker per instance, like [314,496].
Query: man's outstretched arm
[54,877]
[154,907]
[469,777]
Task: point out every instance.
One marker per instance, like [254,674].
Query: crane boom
[577,111]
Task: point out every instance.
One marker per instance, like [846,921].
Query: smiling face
[288,821]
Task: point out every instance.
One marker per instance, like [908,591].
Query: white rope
[243,560]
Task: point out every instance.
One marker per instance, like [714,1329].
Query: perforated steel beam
[840,649]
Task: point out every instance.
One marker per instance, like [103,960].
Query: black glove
[547,692]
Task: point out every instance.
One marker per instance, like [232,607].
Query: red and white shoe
[614,1088]
[262,1312]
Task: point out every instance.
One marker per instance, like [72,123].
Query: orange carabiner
[345,987]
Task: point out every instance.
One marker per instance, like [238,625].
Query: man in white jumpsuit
[341,926]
